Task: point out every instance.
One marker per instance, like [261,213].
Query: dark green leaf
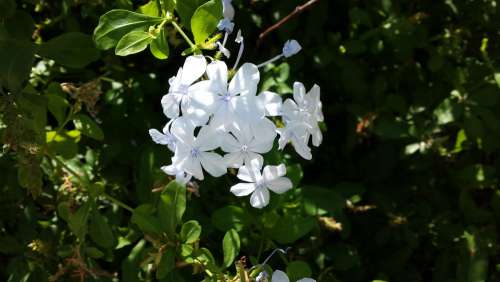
[20,25]
[88,127]
[78,221]
[318,200]
[7,8]
[167,263]
[144,218]
[133,42]
[100,231]
[230,247]
[290,228]
[172,206]
[72,49]
[116,23]
[17,58]
[186,9]
[298,269]
[230,217]
[205,19]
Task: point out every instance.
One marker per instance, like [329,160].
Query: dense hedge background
[403,188]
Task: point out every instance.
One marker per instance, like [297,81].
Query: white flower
[225,25]
[193,153]
[227,9]
[280,276]
[165,138]
[183,92]
[301,116]
[296,133]
[226,98]
[243,146]
[291,48]
[180,176]
[260,184]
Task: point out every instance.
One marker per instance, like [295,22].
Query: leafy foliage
[404,187]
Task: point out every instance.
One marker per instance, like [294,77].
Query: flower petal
[251,157]
[249,173]
[279,276]
[192,166]
[208,138]
[229,144]
[158,137]
[259,198]
[194,67]
[306,280]
[213,163]
[272,172]
[242,189]
[183,130]
[272,103]
[299,93]
[245,80]
[170,105]
[279,185]
[217,73]
[234,160]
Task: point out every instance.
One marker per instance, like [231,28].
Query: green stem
[85,181]
[117,202]
[158,5]
[179,29]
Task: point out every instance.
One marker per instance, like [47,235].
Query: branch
[298,10]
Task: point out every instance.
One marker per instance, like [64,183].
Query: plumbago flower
[280,276]
[259,184]
[211,112]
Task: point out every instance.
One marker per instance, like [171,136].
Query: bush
[403,188]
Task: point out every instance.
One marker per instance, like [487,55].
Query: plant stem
[117,202]
[179,29]
[86,182]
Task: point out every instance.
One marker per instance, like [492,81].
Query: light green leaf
[230,246]
[116,23]
[190,231]
[100,231]
[88,127]
[150,9]
[159,47]
[72,49]
[133,42]
[205,19]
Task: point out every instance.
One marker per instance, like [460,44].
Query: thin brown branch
[298,10]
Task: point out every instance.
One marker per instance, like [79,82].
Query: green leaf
[319,201]
[78,221]
[71,49]
[290,228]
[116,23]
[205,19]
[133,42]
[100,231]
[186,9]
[20,25]
[167,263]
[143,217]
[171,206]
[190,231]
[63,144]
[230,217]
[230,247]
[7,8]
[58,107]
[497,78]
[159,46]
[298,269]
[17,58]
[94,252]
[150,9]
[88,127]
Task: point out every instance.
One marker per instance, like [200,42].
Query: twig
[298,10]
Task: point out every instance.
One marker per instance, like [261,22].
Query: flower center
[260,184]
[244,148]
[226,97]
[195,152]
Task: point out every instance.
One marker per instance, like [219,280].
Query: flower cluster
[219,122]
